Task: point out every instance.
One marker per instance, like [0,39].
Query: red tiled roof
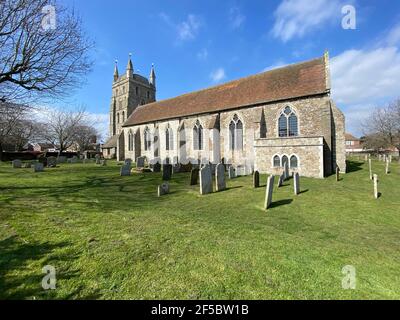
[293,81]
[350,137]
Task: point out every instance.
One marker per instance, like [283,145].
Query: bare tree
[43,50]
[86,136]
[61,127]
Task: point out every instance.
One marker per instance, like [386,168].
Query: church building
[254,123]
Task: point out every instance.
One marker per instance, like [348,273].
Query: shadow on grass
[281,203]
[353,166]
[303,191]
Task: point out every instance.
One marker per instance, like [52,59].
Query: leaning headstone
[337,174]
[231,172]
[51,162]
[296,183]
[38,167]
[16,164]
[206,180]
[220,177]
[157,167]
[125,170]
[194,176]
[140,162]
[376,193]
[256,179]
[167,172]
[269,191]
[281,179]
[286,170]
[128,162]
[387,170]
[163,189]
[370,169]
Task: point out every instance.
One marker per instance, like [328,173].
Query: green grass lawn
[110,237]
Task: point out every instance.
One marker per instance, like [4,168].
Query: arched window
[277,161]
[198,136]
[294,162]
[236,134]
[117,117]
[147,139]
[285,159]
[288,123]
[169,139]
[123,116]
[130,141]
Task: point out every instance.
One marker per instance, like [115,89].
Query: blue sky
[196,44]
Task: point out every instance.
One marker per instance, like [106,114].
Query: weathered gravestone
[256,179]
[286,170]
[140,162]
[220,182]
[240,171]
[281,179]
[269,191]
[16,164]
[194,176]
[51,162]
[28,165]
[163,189]
[231,172]
[370,169]
[157,167]
[125,170]
[103,162]
[376,193]
[128,162]
[74,159]
[176,168]
[61,159]
[167,172]
[98,160]
[38,167]
[387,170]
[337,174]
[296,183]
[206,180]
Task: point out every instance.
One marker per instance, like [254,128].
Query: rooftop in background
[298,80]
[350,137]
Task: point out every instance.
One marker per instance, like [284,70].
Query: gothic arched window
[236,134]
[147,139]
[123,116]
[277,161]
[169,139]
[288,123]
[117,117]
[294,162]
[198,136]
[130,141]
[285,159]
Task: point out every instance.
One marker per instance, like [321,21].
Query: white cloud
[236,18]
[188,30]
[202,54]
[218,75]
[393,38]
[295,18]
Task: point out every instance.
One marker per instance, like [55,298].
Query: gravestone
[256,179]
[231,172]
[370,169]
[167,172]
[28,165]
[387,169]
[140,162]
[286,170]
[296,183]
[220,182]
[51,162]
[376,193]
[125,170]
[366,158]
[98,161]
[103,162]
[74,159]
[205,180]
[281,179]
[163,189]
[194,176]
[390,158]
[157,167]
[176,168]
[128,162]
[61,159]
[269,191]
[38,167]
[16,164]
[240,171]
[337,174]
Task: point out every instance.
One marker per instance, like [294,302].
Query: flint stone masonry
[16,164]
[269,190]
[163,189]
[194,176]
[38,167]
[167,172]
[256,179]
[206,180]
[296,183]
[125,170]
[220,182]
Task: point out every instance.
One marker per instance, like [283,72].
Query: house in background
[353,144]
[44,147]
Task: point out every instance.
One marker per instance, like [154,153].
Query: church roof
[293,81]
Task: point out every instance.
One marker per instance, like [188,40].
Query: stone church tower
[129,91]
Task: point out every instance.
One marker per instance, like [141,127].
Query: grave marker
[220,177]
[206,180]
[269,191]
